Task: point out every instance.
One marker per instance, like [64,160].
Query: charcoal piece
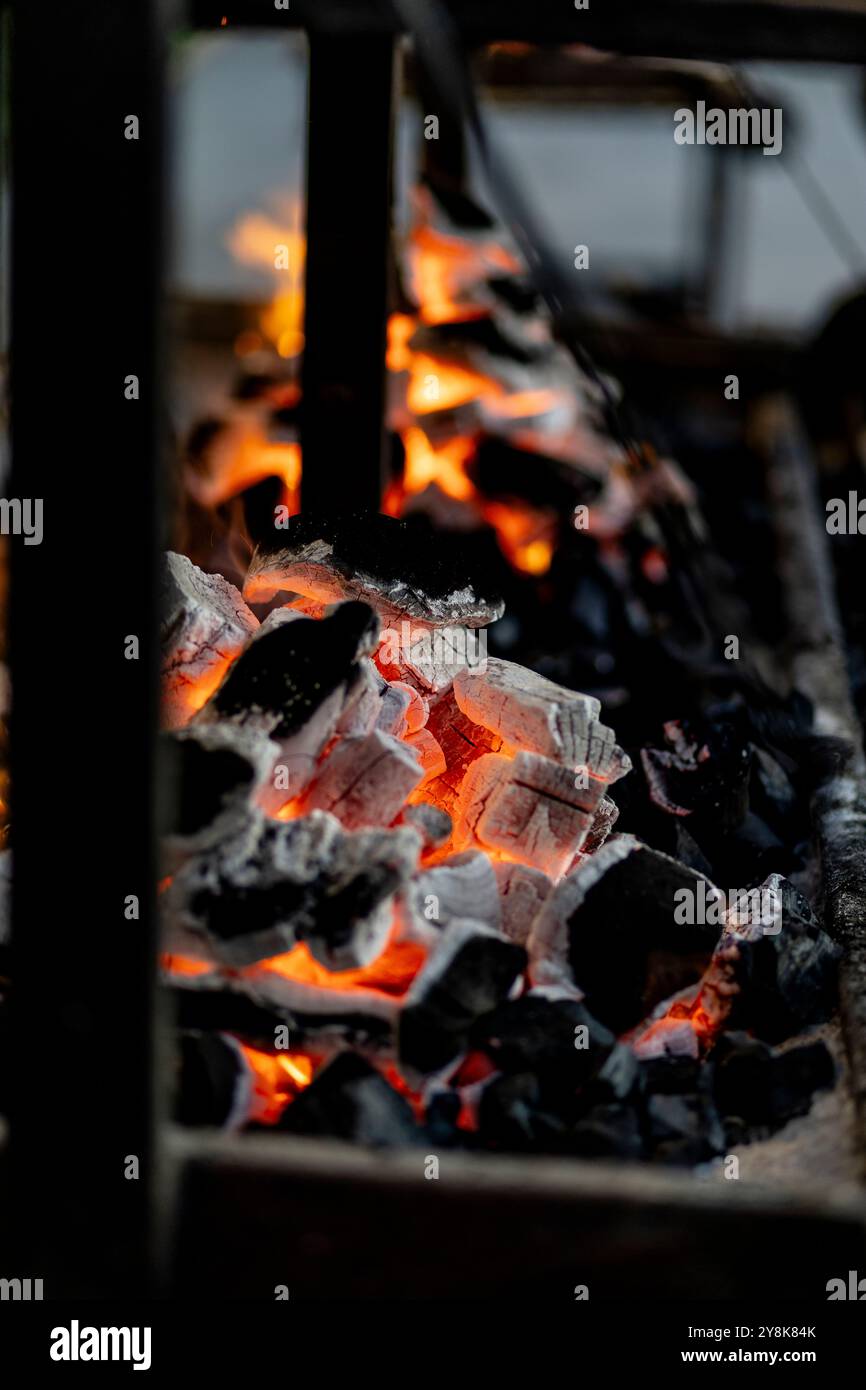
[703,770]
[323,1016]
[522,890]
[461,741]
[276,884]
[471,970]
[463,338]
[427,753]
[427,657]
[765,1086]
[518,294]
[501,469]
[670,1076]
[611,928]
[215,1010]
[373,557]
[463,885]
[213,773]
[557,1040]
[607,1131]
[529,807]
[433,824]
[350,1099]
[417,710]
[441,1117]
[213,1084]
[204,626]
[532,713]
[512,1116]
[375,705]
[617,1080]
[364,781]
[683,1129]
[294,683]
[774,970]
[604,818]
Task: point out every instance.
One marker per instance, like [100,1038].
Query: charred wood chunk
[608,1131]
[556,1039]
[469,973]
[350,1099]
[522,891]
[223,1010]
[683,1129]
[279,883]
[529,712]
[212,1085]
[365,781]
[612,927]
[212,772]
[324,1016]
[604,818]
[432,823]
[463,885]
[529,807]
[775,970]
[429,658]
[703,771]
[513,1116]
[205,625]
[461,741]
[765,1086]
[428,754]
[392,565]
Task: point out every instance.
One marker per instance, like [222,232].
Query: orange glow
[443,267]
[183,965]
[526,536]
[259,240]
[437,385]
[240,460]
[400,330]
[277,1078]
[391,973]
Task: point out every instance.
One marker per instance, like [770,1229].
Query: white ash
[204,626]
[365,781]
[522,891]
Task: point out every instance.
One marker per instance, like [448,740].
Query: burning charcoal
[325,1017]
[529,807]
[205,626]
[365,781]
[375,558]
[522,891]
[534,714]
[556,1039]
[428,754]
[611,927]
[433,825]
[294,683]
[214,771]
[213,1084]
[604,818]
[429,657]
[464,885]
[279,883]
[774,970]
[467,975]
[700,770]
[384,705]
[766,1086]
[349,1099]
[461,742]
[417,710]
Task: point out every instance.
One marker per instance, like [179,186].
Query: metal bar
[86,224]
[352,85]
[747,29]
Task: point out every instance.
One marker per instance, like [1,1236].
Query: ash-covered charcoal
[323,1017]
[608,1131]
[611,926]
[428,754]
[275,884]
[216,1007]
[764,1087]
[462,742]
[532,713]
[364,781]
[529,807]
[294,683]
[774,971]
[702,771]
[513,1116]
[213,1084]
[463,885]
[522,890]
[205,625]
[475,339]
[387,563]
[429,658]
[350,1099]
[214,772]
[604,818]
[470,971]
[433,824]
[683,1128]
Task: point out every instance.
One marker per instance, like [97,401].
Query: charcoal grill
[248,1214]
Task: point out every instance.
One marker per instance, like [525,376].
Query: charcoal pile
[418,894]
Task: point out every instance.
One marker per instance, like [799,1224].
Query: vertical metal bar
[349,174]
[86,225]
